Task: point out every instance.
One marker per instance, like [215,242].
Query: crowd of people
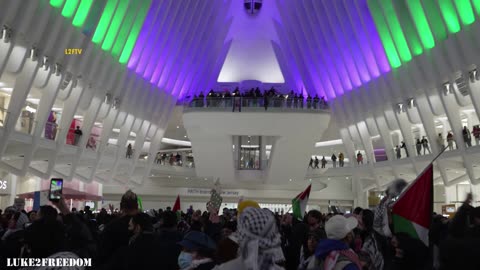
[314,162]
[170,159]
[247,237]
[423,143]
[255,98]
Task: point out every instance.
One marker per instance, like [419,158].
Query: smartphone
[56,188]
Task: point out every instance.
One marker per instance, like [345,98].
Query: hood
[325,246]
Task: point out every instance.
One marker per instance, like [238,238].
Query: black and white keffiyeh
[259,240]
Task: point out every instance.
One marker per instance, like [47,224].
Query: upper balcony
[276,103]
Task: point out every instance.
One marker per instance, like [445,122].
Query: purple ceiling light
[168,40]
[361,36]
[328,74]
[144,33]
[351,40]
[332,49]
[372,34]
[342,45]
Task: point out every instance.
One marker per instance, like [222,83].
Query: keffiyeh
[259,240]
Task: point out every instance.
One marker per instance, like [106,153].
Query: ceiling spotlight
[58,69]
[108,98]
[400,107]
[473,75]
[329,178]
[310,180]
[6,34]
[346,177]
[185,136]
[447,88]
[178,126]
[186,178]
[33,54]
[169,176]
[116,103]
[290,180]
[410,102]
[205,179]
[46,62]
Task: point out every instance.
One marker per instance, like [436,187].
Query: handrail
[257,102]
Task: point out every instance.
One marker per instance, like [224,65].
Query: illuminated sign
[3,184]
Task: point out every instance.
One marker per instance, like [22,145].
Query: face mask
[184,260]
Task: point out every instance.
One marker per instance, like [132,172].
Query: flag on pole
[299,203]
[139,201]
[412,212]
[176,206]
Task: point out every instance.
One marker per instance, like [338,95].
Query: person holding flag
[299,203]
[177,208]
[411,216]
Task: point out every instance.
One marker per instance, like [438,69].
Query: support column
[451,194]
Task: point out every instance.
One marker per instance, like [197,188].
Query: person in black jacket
[142,250]
[12,240]
[294,235]
[167,250]
[460,250]
[265,100]
[116,234]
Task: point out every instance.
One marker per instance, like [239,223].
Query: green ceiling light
[82,13]
[409,28]
[56,3]
[465,11]
[125,28]
[436,22]
[396,30]
[421,23]
[115,25]
[104,22]
[132,38]
[69,8]
[384,33]
[449,15]
[476,5]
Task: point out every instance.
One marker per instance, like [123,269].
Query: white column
[13,189]
[451,194]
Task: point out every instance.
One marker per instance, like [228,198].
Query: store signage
[3,184]
[206,192]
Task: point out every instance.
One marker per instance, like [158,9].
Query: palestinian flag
[177,209]
[139,201]
[299,203]
[176,206]
[412,212]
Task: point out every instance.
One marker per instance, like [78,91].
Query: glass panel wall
[250,152]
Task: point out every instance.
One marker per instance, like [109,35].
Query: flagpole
[423,171]
[434,159]
[439,154]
